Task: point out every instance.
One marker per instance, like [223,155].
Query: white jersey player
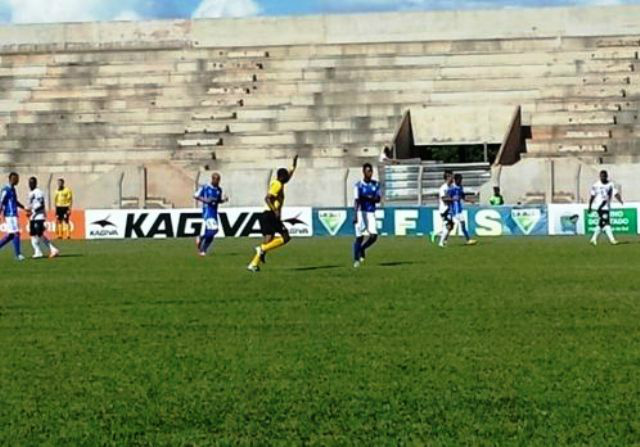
[444,209]
[38,217]
[602,193]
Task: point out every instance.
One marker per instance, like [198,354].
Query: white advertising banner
[566,219]
[572,219]
[184,223]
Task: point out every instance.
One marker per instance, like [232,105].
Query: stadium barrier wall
[574,219]
[76,222]
[566,219]
[177,223]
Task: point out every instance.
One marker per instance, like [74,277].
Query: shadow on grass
[316,267]
[396,263]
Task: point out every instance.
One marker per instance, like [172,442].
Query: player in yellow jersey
[271,220]
[63,200]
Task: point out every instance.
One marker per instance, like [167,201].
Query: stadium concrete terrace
[117,170]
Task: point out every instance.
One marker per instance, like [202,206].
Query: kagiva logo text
[103,228]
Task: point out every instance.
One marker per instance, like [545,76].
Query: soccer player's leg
[59,222]
[67,225]
[359,227]
[372,229]
[605,224]
[211,229]
[13,236]
[34,230]
[447,226]
[268,228]
[463,226]
[598,231]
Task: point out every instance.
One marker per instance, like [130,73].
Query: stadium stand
[134,114]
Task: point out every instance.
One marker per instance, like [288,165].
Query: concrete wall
[334,29]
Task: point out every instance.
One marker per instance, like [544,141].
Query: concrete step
[564,148]
[85,130]
[88,155]
[585,145]
[587,105]
[585,131]
[60,142]
[599,117]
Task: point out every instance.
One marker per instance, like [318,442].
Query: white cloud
[128,15]
[46,11]
[39,11]
[226,8]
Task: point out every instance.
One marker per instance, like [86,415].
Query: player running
[444,209]
[367,196]
[602,193]
[457,195]
[63,200]
[37,211]
[9,205]
[271,219]
[210,196]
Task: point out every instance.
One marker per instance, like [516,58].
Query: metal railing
[418,184]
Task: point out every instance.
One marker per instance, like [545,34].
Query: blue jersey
[213,193]
[9,201]
[456,193]
[367,195]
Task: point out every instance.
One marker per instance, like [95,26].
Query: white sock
[609,232]
[444,235]
[596,234]
[36,247]
[48,244]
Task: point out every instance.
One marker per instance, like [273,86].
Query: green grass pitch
[515,342]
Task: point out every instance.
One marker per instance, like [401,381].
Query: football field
[514,342]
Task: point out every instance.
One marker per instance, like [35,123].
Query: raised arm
[294,167]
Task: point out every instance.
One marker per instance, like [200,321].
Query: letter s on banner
[488,223]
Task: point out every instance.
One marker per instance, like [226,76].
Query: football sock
[357,248]
[464,230]
[66,230]
[609,232]
[16,244]
[444,235]
[596,234]
[275,243]
[35,243]
[8,238]
[206,241]
[256,260]
[47,243]
[370,241]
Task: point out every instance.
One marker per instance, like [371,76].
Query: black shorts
[37,228]
[62,213]
[447,218]
[270,224]
[605,218]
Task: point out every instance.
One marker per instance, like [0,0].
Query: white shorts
[11,225]
[366,223]
[211,224]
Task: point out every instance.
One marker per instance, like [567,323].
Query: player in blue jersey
[367,196]
[210,196]
[457,196]
[9,206]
